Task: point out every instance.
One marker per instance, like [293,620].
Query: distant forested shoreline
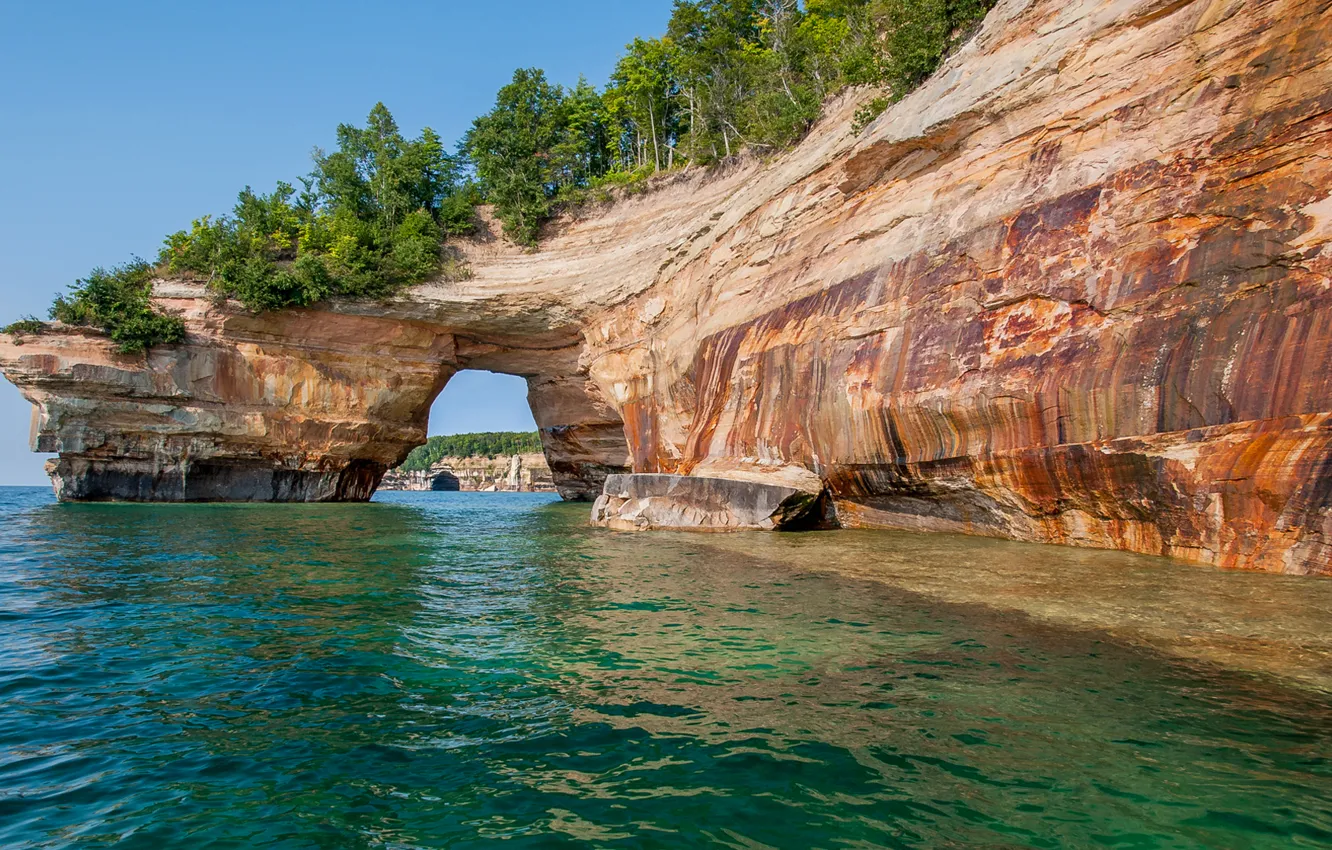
[488,444]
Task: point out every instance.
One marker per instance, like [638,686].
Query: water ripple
[452,670]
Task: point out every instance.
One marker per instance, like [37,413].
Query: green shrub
[454,268]
[601,190]
[457,214]
[414,254]
[866,114]
[918,34]
[28,325]
[119,301]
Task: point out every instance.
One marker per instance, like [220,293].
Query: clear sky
[120,122]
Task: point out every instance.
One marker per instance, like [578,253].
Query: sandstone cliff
[1076,289]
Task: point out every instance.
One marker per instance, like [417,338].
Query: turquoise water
[461,670]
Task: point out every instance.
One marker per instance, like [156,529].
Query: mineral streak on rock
[1077,288]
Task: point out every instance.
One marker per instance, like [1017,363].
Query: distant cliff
[1077,288]
[485,444]
[517,473]
[425,480]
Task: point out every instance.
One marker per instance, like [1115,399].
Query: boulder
[639,502]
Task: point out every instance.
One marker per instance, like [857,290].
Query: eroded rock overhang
[1076,289]
[308,405]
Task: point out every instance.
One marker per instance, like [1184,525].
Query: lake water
[461,670]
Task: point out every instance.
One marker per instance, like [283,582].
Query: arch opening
[482,437]
[478,401]
[537,423]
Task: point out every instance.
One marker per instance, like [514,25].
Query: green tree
[583,152]
[515,149]
[712,37]
[370,220]
[119,301]
[381,176]
[642,97]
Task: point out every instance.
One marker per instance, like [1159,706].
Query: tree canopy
[727,75]
[370,219]
[523,151]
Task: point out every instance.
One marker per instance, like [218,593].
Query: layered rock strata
[287,406]
[1076,289]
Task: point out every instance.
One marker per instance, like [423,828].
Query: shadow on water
[1257,622]
[449,670]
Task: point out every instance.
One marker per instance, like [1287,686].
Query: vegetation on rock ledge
[117,301]
[728,75]
[369,221]
[26,326]
[374,215]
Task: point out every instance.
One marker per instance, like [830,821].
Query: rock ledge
[655,501]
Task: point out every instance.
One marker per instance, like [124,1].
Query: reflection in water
[448,670]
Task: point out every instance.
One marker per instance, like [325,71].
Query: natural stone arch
[307,405]
[582,434]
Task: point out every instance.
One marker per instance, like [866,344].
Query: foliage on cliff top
[489,444]
[373,215]
[118,301]
[728,74]
[26,326]
[369,221]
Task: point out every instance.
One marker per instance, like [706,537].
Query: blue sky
[120,122]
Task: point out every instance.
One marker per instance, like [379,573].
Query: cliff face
[1075,289]
[421,481]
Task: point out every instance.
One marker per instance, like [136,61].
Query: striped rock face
[1075,289]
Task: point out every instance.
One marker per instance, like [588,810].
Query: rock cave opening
[482,437]
[489,400]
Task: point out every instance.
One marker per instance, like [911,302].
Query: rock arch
[292,406]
